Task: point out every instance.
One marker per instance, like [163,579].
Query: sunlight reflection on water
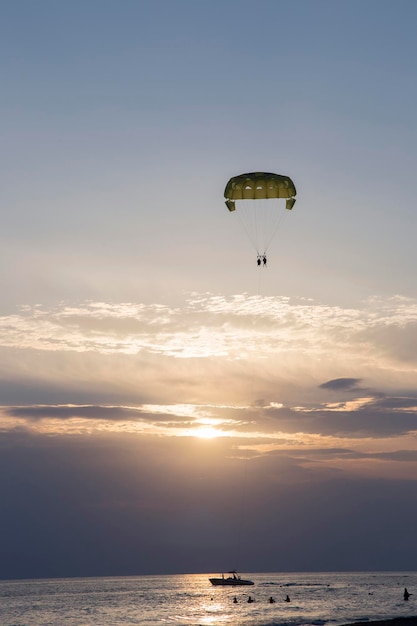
[192,600]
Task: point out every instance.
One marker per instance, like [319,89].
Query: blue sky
[139,340]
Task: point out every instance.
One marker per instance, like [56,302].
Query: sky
[166,406]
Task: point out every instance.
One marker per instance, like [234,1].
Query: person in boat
[271,600]
[288,599]
[406,594]
[250,599]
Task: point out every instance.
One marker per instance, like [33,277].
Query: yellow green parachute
[257,199]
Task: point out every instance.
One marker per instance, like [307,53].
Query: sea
[316,599]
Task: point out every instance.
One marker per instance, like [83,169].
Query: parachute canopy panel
[259,186]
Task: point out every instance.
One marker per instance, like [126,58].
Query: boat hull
[230,582]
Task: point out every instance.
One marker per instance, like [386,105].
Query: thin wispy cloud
[206,325]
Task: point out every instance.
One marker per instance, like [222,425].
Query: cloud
[70,412]
[252,366]
[369,419]
[337,384]
[205,326]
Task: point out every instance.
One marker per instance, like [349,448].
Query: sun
[206,432]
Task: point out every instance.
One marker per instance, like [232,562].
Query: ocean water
[316,599]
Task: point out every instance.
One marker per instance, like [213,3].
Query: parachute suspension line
[259,230]
[247,227]
[282,216]
[269,214]
[260,219]
[245,526]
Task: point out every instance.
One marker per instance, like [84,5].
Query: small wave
[271,583]
[302,584]
[296,621]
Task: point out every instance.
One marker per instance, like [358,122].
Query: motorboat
[234,580]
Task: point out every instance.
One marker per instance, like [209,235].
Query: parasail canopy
[259,186]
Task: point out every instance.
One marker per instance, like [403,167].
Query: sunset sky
[165,405]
